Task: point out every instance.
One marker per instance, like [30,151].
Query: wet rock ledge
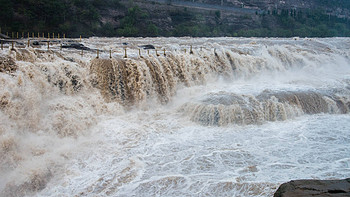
[315,188]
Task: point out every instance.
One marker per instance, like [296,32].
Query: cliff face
[270,4]
[241,17]
[258,18]
[317,188]
[339,8]
[273,4]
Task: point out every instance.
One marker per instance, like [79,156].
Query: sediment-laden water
[231,117]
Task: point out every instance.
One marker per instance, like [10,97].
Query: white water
[82,146]
[163,157]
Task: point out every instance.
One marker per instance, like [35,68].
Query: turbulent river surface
[192,117]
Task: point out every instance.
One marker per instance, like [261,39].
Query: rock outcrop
[7,65]
[316,188]
[75,45]
[4,36]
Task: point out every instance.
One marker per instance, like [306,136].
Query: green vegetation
[307,23]
[335,4]
[278,23]
[88,18]
[133,24]
[69,16]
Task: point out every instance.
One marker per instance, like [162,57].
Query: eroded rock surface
[7,65]
[317,188]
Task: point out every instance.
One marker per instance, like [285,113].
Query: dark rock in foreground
[147,46]
[78,46]
[7,65]
[4,36]
[317,188]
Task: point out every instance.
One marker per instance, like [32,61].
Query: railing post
[126,55]
[97,54]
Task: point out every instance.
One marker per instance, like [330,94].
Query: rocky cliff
[317,188]
[258,18]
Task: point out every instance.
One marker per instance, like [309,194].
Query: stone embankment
[315,188]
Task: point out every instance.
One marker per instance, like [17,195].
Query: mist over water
[237,117]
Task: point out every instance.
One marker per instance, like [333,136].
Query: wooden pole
[22,34]
[97,54]
[38,35]
[43,35]
[80,38]
[32,34]
[13,47]
[48,45]
[157,53]
[82,52]
[53,35]
[164,52]
[64,36]
[148,52]
[48,35]
[125,56]
[7,34]
[139,52]
[58,35]
[2,45]
[28,35]
[28,43]
[191,52]
[17,35]
[61,46]
[110,53]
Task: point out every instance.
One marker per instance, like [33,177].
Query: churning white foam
[143,154]
[71,126]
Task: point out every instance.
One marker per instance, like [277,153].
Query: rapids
[195,117]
